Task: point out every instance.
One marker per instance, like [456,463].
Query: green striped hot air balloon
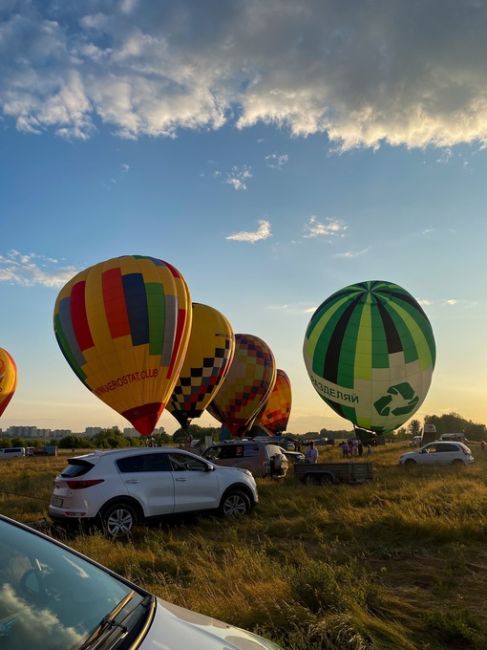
[370,352]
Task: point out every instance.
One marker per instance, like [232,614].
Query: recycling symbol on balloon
[400,399]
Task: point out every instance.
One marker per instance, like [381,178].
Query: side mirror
[210,468]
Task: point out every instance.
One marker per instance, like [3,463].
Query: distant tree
[196,432]
[72,442]
[455,423]
[5,442]
[414,428]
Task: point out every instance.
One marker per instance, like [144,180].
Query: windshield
[49,597]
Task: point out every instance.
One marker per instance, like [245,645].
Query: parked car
[53,598]
[439,453]
[454,437]
[262,458]
[121,487]
[12,452]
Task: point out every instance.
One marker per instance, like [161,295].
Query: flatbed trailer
[323,473]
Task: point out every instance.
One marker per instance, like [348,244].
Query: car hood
[176,628]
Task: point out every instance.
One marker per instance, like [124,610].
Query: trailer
[328,473]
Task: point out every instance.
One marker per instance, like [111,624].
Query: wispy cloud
[328,228]
[262,232]
[295,308]
[277,161]
[125,168]
[350,255]
[30,269]
[445,156]
[451,301]
[237,177]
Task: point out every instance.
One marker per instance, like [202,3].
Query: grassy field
[398,563]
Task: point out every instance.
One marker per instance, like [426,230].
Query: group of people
[349,449]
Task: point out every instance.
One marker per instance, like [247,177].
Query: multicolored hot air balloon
[247,385]
[207,361]
[123,326]
[370,352]
[8,379]
[275,414]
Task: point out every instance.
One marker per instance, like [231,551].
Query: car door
[149,479]
[427,455]
[195,487]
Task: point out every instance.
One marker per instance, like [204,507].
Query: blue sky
[274,154]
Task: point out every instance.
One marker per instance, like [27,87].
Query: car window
[157,462]
[76,467]
[182,462]
[448,447]
[226,451]
[251,451]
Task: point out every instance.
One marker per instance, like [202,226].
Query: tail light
[80,485]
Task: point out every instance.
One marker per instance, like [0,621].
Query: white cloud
[445,156]
[277,161]
[262,232]
[237,177]
[297,308]
[424,302]
[380,72]
[125,167]
[451,301]
[349,255]
[30,269]
[330,228]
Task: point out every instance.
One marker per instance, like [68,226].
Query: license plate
[57,502]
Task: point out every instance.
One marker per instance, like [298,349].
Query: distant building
[92,431]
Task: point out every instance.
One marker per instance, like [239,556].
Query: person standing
[360,448]
[311,456]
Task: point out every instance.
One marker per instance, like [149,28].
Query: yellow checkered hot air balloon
[8,379]
[207,361]
[123,326]
[247,385]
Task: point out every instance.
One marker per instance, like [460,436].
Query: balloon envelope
[8,379]
[370,352]
[275,414]
[123,326]
[207,361]
[247,385]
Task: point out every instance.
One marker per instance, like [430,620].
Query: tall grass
[397,563]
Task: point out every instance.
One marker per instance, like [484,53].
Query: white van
[12,452]
[455,437]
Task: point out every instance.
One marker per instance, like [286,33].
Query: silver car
[54,598]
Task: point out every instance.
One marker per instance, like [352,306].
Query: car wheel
[410,462]
[118,519]
[235,504]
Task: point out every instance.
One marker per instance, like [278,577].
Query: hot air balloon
[8,379]
[247,385]
[207,361]
[370,352]
[275,414]
[123,326]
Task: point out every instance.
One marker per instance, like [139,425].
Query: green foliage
[455,423]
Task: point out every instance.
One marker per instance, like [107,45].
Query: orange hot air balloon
[123,326]
[207,361]
[247,385]
[275,414]
[8,379]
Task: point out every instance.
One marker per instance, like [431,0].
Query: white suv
[121,487]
